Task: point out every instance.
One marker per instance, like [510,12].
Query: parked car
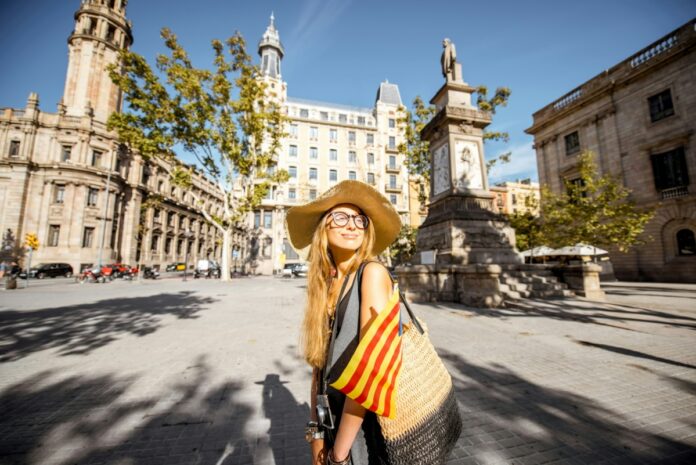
[300,270]
[287,272]
[48,270]
[176,267]
[207,269]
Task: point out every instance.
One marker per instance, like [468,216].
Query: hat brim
[301,221]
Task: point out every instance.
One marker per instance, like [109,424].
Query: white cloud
[522,165]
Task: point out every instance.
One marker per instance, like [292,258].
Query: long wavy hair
[314,338]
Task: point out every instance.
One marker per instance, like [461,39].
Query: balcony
[392,168]
[392,187]
[675,192]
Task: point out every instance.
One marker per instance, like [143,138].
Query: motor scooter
[150,273]
[91,275]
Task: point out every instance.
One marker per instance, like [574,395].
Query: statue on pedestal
[451,70]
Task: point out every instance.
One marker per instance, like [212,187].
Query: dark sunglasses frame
[343,222]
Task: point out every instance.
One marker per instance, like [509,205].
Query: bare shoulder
[376,281]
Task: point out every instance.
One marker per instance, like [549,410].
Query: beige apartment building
[639,118]
[327,143]
[516,196]
[64,177]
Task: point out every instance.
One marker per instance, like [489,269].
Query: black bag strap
[334,326]
[411,315]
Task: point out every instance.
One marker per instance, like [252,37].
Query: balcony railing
[392,187]
[393,167]
[675,192]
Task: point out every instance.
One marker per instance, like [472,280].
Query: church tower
[101,30]
[271,52]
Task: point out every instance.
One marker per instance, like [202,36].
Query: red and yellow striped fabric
[371,376]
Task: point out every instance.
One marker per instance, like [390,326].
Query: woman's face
[342,231]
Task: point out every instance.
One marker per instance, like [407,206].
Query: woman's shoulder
[375,273]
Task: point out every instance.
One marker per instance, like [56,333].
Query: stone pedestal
[582,279]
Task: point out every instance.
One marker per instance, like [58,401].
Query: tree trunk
[226,254]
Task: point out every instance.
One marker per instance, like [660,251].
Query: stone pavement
[204,372]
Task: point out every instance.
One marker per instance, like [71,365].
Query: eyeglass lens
[341,219]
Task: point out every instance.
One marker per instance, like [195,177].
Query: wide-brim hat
[301,221]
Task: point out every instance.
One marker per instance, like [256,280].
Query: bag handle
[411,315]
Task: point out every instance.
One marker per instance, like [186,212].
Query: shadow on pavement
[79,329]
[81,420]
[633,353]
[508,417]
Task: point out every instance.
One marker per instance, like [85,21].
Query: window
[392,181]
[257,219]
[686,244]
[14,148]
[96,158]
[292,193]
[370,139]
[87,237]
[514,199]
[160,186]
[292,172]
[312,174]
[304,113]
[342,118]
[333,135]
[312,194]
[392,142]
[351,137]
[179,246]
[313,132]
[361,120]
[324,115]
[371,178]
[370,158]
[352,157]
[168,245]
[352,175]
[661,106]
[313,153]
[333,175]
[392,161]
[111,34]
[145,178]
[392,123]
[65,153]
[572,143]
[92,195]
[669,169]
[392,198]
[268,220]
[58,193]
[170,219]
[333,155]
[53,235]
[293,130]
[293,151]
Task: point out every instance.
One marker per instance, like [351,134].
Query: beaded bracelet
[332,461]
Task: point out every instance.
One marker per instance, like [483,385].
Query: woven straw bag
[427,423]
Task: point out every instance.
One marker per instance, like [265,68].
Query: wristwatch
[313,432]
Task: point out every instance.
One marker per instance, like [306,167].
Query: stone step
[552,293]
[526,279]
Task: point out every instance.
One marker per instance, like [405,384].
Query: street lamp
[187,235]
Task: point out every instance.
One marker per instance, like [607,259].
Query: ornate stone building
[639,118]
[327,143]
[513,196]
[64,177]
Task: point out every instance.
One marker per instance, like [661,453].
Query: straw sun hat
[301,221]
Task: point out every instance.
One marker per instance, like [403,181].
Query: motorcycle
[150,273]
[91,275]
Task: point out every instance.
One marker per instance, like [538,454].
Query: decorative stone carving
[441,170]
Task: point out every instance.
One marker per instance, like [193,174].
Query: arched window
[686,244]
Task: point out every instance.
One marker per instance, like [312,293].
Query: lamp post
[187,235]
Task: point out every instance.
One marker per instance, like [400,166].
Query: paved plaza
[204,372]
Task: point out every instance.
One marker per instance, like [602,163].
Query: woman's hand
[319,452]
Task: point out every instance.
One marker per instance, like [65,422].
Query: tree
[226,118]
[12,250]
[404,246]
[595,210]
[416,151]
[528,226]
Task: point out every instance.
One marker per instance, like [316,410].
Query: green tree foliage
[403,248]
[416,151]
[529,229]
[225,117]
[595,210]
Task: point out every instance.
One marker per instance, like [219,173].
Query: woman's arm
[317,446]
[376,289]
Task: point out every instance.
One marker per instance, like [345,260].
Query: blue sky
[340,50]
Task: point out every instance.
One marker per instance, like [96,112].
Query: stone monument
[463,242]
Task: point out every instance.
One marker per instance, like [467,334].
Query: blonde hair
[314,337]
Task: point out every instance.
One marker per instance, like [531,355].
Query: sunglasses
[341,219]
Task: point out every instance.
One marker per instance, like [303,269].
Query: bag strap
[334,326]
[411,315]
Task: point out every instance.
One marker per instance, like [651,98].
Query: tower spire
[271,51]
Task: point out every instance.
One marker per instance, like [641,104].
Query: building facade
[326,143]
[64,177]
[516,196]
[639,118]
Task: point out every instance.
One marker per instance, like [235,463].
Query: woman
[343,229]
